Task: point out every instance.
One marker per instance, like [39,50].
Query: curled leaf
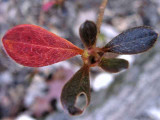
[78,84]
[132,41]
[88,32]
[113,65]
[33,46]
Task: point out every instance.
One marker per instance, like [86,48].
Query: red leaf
[33,46]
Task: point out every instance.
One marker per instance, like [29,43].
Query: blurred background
[33,93]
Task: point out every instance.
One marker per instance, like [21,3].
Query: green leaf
[78,84]
[132,41]
[88,32]
[113,65]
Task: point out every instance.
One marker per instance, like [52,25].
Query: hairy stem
[100,15]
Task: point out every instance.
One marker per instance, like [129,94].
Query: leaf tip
[74,111]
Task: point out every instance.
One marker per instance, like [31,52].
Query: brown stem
[41,16]
[100,15]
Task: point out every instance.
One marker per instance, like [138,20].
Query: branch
[41,16]
[100,15]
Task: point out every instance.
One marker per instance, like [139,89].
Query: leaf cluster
[33,46]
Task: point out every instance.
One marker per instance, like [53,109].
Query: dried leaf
[33,46]
[88,32]
[132,41]
[78,84]
[113,65]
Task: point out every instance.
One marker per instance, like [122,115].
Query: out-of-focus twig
[41,15]
[60,2]
[47,6]
[100,15]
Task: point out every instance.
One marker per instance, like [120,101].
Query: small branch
[100,15]
[41,16]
